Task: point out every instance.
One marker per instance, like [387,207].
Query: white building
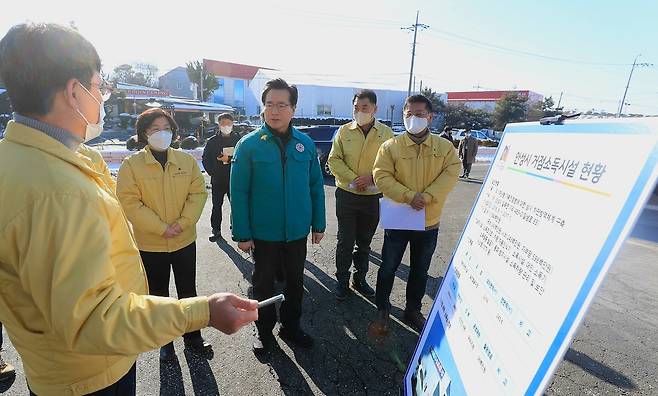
[240,86]
[326,101]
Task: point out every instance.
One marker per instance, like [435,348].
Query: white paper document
[400,216]
[228,151]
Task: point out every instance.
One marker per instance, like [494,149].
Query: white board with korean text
[553,211]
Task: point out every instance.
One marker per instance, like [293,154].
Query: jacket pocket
[266,172]
[300,163]
[263,157]
[436,159]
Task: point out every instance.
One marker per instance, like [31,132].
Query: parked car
[323,136]
[398,128]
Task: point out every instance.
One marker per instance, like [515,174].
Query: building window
[238,93]
[218,95]
[324,110]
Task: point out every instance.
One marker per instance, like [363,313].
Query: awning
[186,105]
[199,107]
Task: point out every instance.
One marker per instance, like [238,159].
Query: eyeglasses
[421,114]
[278,106]
[105,87]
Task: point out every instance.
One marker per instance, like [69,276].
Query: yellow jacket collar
[150,159]
[354,126]
[409,142]
[26,136]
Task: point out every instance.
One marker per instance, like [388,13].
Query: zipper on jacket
[164,192]
[282,150]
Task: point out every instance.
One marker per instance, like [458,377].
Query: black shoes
[341,292]
[197,347]
[168,353]
[200,348]
[364,288]
[215,236]
[7,371]
[263,343]
[414,319]
[297,337]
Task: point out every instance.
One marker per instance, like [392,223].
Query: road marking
[641,243]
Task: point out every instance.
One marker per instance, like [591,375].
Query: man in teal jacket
[277,199]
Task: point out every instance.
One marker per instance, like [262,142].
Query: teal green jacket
[276,195]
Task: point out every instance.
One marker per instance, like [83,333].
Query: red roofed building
[486,100]
[232,70]
[233,79]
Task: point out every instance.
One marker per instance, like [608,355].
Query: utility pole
[623,99]
[202,100]
[414,27]
[559,101]
[421,87]
[201,81]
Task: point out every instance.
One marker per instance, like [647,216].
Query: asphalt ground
[615,351]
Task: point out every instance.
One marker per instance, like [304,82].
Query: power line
[477,43]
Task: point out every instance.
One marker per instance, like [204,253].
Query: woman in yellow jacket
[163,192]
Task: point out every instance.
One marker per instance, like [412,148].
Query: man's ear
[70,92]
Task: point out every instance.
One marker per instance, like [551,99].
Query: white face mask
[160,140]
[415,125]
[93,130]
[226,129]
[363,118]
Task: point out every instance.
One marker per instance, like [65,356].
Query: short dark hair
[145,120]
[37,60]
[418,99]
[280,83]
[366,94]
[224,116]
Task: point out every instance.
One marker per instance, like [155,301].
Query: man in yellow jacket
[351,160]
[73,296]
[419,169]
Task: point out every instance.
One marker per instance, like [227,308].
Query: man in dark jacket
[468,150]
[217,161]
[447,134]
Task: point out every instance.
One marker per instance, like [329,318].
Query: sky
[583,49]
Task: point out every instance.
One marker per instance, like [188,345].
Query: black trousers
[126,386]
[268,257]
[358,216]
[158,266]
[466,164]
[219,190]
